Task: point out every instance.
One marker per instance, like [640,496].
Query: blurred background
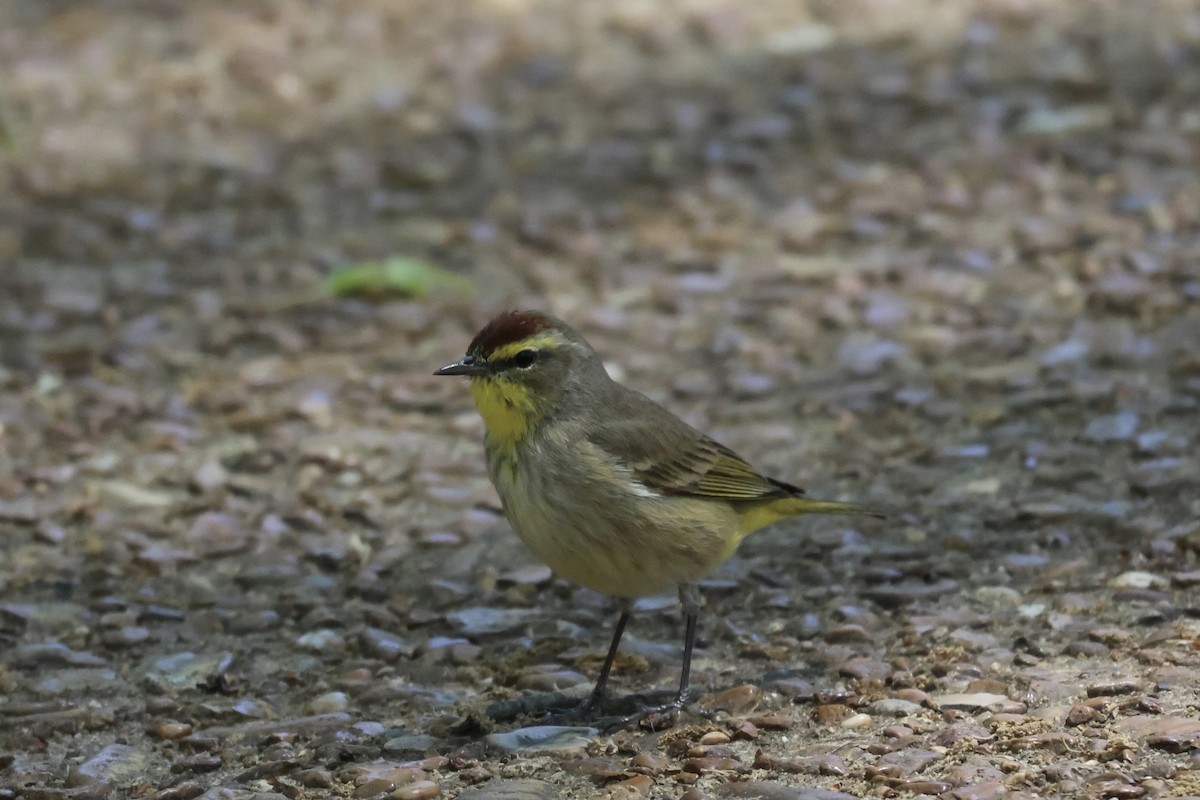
[938,256]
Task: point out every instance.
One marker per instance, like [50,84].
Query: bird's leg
[595,700]
[597,695]
[691,600]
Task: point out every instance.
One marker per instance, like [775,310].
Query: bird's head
[523,365]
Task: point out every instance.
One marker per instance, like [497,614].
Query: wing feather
[671,457]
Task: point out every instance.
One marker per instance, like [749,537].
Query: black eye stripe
[521,360]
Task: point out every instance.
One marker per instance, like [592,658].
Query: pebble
[986,790]
[956,732]
[863,354]
[52,654]
[413,745]
[922,787]
[1170,733]
[216,533]
[1138,580]
[1114,687]
[486,621]
[77,681]
[1115,428]
[976,701]
[314,778]
[114,766]
[417,790]
[384,645]
[773,721]
[865,669]
[322,640]
[1000,596]
[552,681]
[561,741]
[521,789]
[770,790]
[893,707]
[170,729]
[328,703]
[910,760]
[856,721]
[738,700]
[187,670]
[831,713]
[705,764]
[847,633]
[630,789]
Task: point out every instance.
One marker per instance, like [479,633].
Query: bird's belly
[619,550]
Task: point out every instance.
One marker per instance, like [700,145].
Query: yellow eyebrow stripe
[539,341]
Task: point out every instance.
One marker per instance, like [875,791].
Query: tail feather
[761,515]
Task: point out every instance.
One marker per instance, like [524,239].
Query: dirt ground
[941,257]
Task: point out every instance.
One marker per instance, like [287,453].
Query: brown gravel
[938,257]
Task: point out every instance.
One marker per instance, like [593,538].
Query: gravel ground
[938,257]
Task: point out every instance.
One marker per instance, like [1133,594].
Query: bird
[607,487]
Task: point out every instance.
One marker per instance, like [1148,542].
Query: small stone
[170,729]
[956,732]
[773,721]
[216,533]
[114,766]
[384,645]
[649,763]
[414,745]
[322,640]
[1114,687]
[909,760]
[986,790]
[314,778]
[893,707]
[1170,733]
[855,721]
[552,681]
[1138,580]
[527,789]
[561,741]
[636,787]
[865,669]
[703,765]
[417,790]
[1116,428]
[52,654]
[478,621]
[976,701]
[328,703]
[714,737]
[770,790]
[832,713]
[738,700]
[923,787]
[187,670]
[847,633]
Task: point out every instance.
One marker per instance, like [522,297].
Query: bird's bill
[468,365]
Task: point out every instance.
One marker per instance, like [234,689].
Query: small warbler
[604,485]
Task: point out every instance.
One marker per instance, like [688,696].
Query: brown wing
[669,456]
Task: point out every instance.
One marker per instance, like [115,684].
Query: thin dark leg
[691,600]
[598,692]
[689,642]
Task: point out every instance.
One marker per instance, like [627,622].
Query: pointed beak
[467,365]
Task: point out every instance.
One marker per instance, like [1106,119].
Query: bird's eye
[525,359]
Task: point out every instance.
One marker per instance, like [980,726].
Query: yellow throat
[507,409]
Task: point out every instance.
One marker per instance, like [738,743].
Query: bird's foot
[592,705]
[666,715]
